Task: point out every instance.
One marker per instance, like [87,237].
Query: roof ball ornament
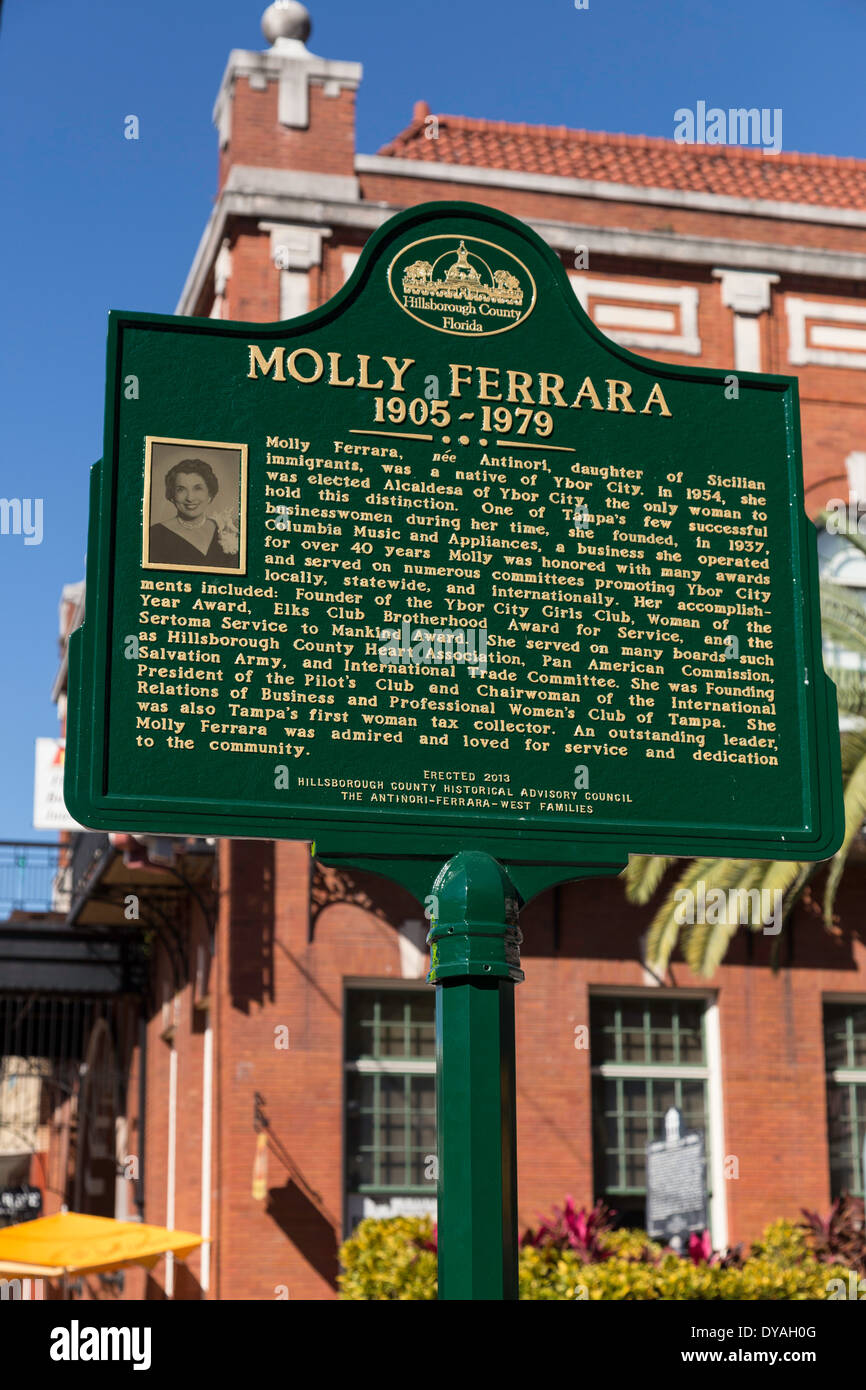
[286,19]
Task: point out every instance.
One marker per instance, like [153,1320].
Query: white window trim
[801,352]
[847,1076]
[656,1071]
[418,1066]
[715,1105]
[684,297]
[294,293]
[349,260]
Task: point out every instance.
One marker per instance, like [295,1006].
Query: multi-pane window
[845,1052]
[390,1098]
[647,1055]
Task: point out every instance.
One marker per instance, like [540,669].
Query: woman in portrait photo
[194,536]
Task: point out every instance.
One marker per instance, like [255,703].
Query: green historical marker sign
[438,572]
[438,566]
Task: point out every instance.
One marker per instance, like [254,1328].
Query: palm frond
[780,875]
[795,892]
[664,930]
[853,750]
[705,943]
[850,689]
[843,618]
[643,874]
[855,814]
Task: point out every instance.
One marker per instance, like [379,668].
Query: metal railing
[30,876]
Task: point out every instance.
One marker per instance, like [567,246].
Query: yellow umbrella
[73,1243]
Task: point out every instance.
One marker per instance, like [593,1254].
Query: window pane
[664,1095]
[692,1104]
[390,1115]
[393,1168]
[360,1129]
[422,1126]
[422,1042]
[691,1019]
[636,1131]
[842,1179]
[845,1047]
[635,1098]
[858,1028]
[633,1045]
[393,1023]
[393,1130]
[662,1025]
[603,1031]
[663,1048]
[846,1125]
[610,1172]
[392,1028]
[836,1026]
[635,1170]
[423,1112]
[838,1103]
[360,1006]
[633,1034]
[604,1127]
[629,1111]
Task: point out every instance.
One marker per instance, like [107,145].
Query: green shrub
[784,1242]
[632,1244]
[391,1259]
[396,1259]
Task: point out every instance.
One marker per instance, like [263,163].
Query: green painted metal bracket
[417,874]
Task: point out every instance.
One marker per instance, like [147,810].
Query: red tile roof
[822,180]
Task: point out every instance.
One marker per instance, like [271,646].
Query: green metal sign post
[475,952]
[437,574]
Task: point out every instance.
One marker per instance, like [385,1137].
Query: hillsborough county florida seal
[462,285]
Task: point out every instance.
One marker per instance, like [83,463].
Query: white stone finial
[286,19]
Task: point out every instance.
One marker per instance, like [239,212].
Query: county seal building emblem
[462,285]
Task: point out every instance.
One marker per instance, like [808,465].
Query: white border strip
[801,351]
[419,169]
[683,297]
[715,1103]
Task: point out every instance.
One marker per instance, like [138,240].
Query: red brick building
[287,1000]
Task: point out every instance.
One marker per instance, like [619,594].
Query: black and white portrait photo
[194,505]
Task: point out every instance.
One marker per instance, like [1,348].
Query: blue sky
[92,221]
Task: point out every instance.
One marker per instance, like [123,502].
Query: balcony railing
[31,877]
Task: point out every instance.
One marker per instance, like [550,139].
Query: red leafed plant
[432,1243]
[701,1248]
[840,1236]
[570,1229]
[701,1252]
